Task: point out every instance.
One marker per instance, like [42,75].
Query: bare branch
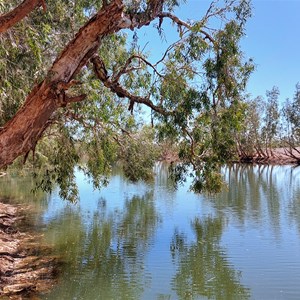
[125,69]
[213,11]
[179,22]
[116,88]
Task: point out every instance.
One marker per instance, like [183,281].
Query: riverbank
[276,156]
[26,265]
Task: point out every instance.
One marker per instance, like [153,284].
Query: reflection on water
[149,241]
[203,267]
[105,259]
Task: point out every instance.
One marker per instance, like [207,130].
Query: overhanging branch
[17,14]
[180,22]
[118,89]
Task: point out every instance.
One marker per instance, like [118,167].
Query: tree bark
[11,18]
[21,133]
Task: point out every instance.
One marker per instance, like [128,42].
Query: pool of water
[150,241]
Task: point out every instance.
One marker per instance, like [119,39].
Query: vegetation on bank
[270,131]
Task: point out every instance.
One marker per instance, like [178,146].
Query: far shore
[279,156]
[276,156]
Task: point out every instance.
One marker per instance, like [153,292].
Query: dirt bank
[276,156]
[26,266]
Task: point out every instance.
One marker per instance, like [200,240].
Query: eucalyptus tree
[73,81]
[286,124]
[291,113]
[271,118]
[249,137]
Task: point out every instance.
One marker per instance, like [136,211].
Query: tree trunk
[21,133]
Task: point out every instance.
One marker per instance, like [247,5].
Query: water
[149,241]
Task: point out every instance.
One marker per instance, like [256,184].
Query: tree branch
[22,132]
[17,14]
[179,22]
[116,88]
[126,70]
[137,20]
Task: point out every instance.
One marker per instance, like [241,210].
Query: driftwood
[26,268]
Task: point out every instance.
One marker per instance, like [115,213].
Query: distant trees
[248,139]
[291,115]
[270,123]
[270,119]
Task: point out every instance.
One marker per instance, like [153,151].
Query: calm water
[149,241]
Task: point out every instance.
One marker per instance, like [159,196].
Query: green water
[149,241]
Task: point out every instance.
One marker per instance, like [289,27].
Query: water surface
[149,241]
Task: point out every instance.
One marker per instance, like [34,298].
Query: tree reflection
[252,192]
[162,177]
[203,266]
[19,187]
[261,193]
[105,259]
[293,185]
[137,225]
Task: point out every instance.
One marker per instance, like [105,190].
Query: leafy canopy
[193,94]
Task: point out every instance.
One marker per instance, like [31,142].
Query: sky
[272,40]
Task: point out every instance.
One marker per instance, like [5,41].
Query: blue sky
[272,40]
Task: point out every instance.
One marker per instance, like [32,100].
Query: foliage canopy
[193,94]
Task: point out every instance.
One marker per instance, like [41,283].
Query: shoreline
[27,268]
[276,156]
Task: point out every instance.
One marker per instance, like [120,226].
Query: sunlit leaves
[195,90]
